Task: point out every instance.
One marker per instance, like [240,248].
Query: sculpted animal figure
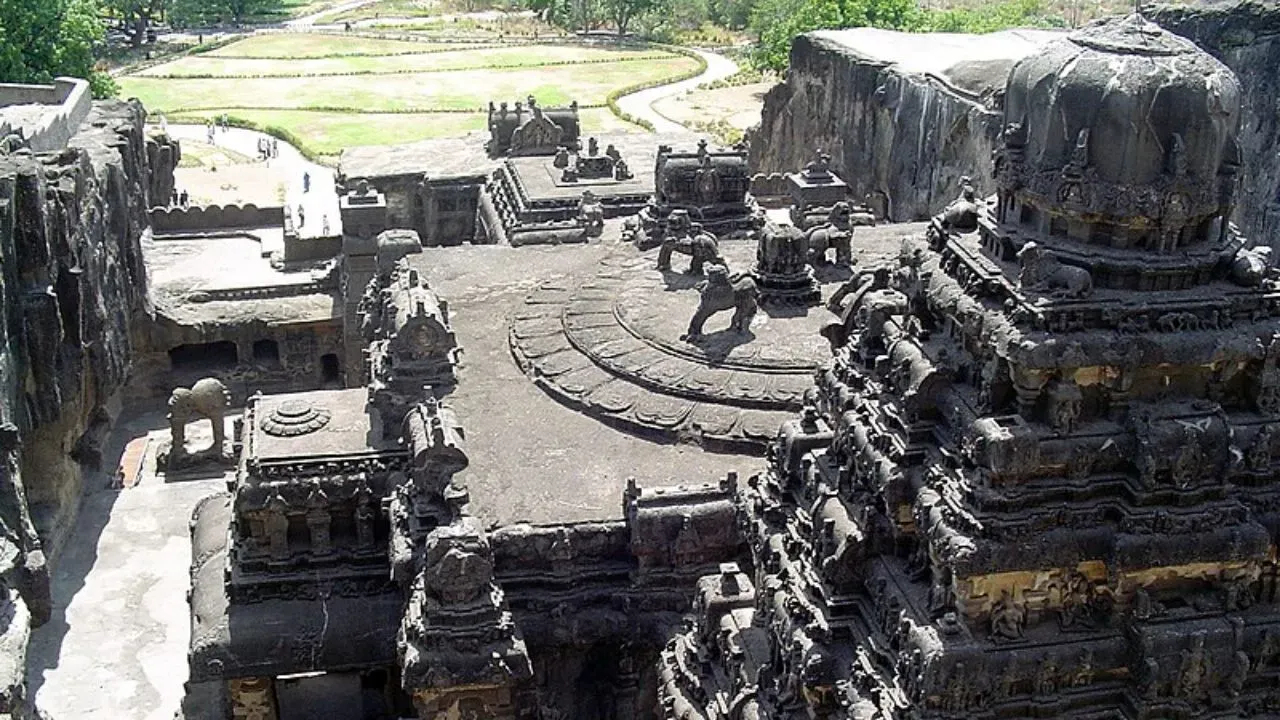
[1044,272]
[683,237]
[1250,266]
[835,234]
[208,398]
[590,214]
[721,292]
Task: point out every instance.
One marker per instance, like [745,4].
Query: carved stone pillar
[252,698]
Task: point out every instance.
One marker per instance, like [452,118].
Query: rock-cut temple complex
[728,446]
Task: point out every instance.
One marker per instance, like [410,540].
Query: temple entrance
[266,353]
[330,372]
[204,356]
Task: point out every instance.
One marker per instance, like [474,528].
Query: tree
[778,22]
[192,13]
[137,16]
[622,12]
[43,39]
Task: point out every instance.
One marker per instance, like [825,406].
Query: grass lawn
[328,133]
[468,56]
[462,90]
[437,97]
[291,46]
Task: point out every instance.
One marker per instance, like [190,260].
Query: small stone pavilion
[1039,477]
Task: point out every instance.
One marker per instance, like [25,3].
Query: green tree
[622,12]
[778,22]
[43,39]
[137,15]
[193,13]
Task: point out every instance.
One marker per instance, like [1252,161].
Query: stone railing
[68,101]
[215,217]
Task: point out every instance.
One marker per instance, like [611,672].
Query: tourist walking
[302,216]
[306,182]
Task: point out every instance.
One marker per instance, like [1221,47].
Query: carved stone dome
[1121,119]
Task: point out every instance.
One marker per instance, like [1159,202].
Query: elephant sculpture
[721,292]
[684,237]
[208,398]
[835,234]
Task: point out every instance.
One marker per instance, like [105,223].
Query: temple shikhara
[542,424]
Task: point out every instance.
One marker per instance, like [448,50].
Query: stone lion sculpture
[1043,272]
[835,234]
[208,398]
[721,292]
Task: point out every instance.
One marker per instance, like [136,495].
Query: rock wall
[1246,37]
[73,287]
[903,115]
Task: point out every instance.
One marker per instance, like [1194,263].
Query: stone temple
[721,444]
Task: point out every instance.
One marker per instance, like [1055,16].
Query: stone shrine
[712,186]
[530,129]
[1037,479]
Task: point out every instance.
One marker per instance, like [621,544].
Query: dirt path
[640,104]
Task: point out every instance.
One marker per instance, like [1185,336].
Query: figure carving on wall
[1007,618]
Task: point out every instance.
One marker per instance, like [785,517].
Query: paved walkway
[318,203]
[116,646]
[307,21]
[640,104]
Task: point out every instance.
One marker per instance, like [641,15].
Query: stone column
[359,266]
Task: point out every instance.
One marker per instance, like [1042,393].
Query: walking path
[640,104]
[307,21]
[318,203]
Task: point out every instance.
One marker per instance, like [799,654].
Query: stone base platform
[608,344]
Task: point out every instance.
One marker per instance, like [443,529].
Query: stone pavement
[117,643]
[318,203]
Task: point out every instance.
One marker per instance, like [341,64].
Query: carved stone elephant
[208,398]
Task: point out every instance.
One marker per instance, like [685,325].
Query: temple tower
[1038,479]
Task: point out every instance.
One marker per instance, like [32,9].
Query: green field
[439,90]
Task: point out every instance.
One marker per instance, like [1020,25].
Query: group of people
[268,147]
[179,199]
[211,127]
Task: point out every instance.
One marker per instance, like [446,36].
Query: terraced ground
[340,90]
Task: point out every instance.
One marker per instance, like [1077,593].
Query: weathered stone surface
[903,115]
[70,224]
[1246,37]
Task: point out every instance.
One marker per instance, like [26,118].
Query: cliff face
[73,284]
[1246,37]
[904,116]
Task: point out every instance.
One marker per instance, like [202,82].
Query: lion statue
[208,398]
[1043,272]
[721,292]
[835,234]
